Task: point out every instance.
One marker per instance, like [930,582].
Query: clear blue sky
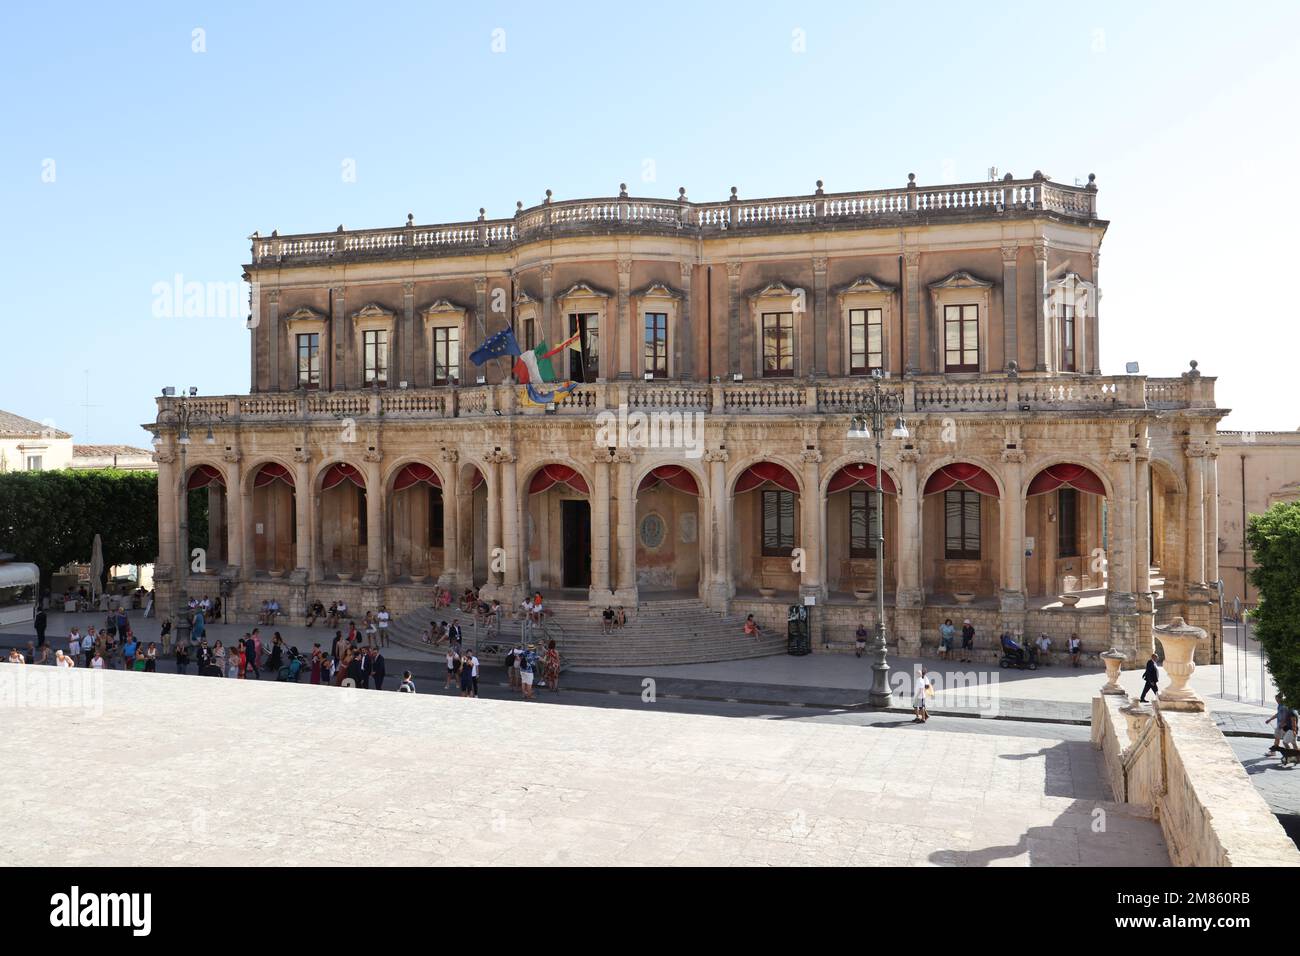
[166,159]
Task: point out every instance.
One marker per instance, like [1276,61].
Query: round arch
[985,466]
[249,475]
[1032,471]
[746,464]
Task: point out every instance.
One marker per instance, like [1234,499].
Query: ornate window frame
[960,288]
[443,314]
[373,318]
[526,307]
[1070,289]
[581,298]
[307,321]
[656,297]
[778,297]
[866,293]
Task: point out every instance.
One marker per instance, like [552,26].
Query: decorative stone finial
[481,213]
[1007,178]
[681,193]
[1179,639]
[911,179]
[548,195]
[1092,179]
[622,190]
[819,187]
[410,219]
[733,192]
[1038,174]
[519,206]
[1013,369]
[275,233]
[1112,659]
[340,228]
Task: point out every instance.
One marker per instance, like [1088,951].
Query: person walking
[552,666]
[473,671]
[527,665]
[452,665]
[250,655]
[1283,718]
[924,689]
[1150,678]
[383,618]
[967,640]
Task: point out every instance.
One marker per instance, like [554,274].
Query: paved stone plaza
[175,770]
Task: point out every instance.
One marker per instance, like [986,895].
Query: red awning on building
[765,471]
[205,475]
[557,475]
[272,472]
[1066,476]
[337,474]
[415,473]
[965,474]
[860,474]
[675,476]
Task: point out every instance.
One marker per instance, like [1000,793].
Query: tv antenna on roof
[993,174]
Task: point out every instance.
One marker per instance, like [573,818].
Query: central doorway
[576,518]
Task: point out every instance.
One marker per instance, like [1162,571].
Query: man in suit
[40,623]
[1150,677]
[360,670]
[377,667]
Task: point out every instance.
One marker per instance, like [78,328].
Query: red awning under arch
[477,480]
[205,475]
[272,472]
[1066,476]
[962,473]
[337,474]
[414,474]
[860,474]
[557,475]
[675,476]
[765,471]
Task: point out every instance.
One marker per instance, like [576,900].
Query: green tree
[1274,539]
[50,518]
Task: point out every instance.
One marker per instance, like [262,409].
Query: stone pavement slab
[358,777]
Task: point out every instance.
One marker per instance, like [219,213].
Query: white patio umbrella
[96,565]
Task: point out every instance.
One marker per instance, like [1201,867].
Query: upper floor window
[656,344]
[35,462]
[961,525]
[1068,363]
[1067,523]
[374,344]
[778,523]
[584,364]
[530,333]
[778,344]
[961,351]
[309,360]
[863,527]
[866,352]
[446,354]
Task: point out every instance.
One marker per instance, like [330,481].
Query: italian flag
[534,367]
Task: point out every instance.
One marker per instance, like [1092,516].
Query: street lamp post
[180,416]
[873,413]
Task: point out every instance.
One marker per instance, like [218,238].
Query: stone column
[513,537]
[550,331]
[811,538]
[912,317]
[626,593]
[1121,602]
[275,346]
[409,346]
[719,588]
[452,574]
[740,339]
[305,510]
[341,372]
[1195,563]
[820,340]
[1010,304]
[495,567]
[375,512]
[624,321]
[1012,509]
[684,341]
[909,597]
[1042,360]
[1093,345]
[1141,483]
[601,593]
[234,516]
[166,571]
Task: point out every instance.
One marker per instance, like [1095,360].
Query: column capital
[373,455]
[1121,454]
[1009,254]
[338,291]
[810,456]
[164,456]
[820,263]
[301,455]
[408,288]
[604,456]
[909,456]
[273,295]
[625,265]
[500,457]
[623,456]
[547,270]
[717,455]
[1195,450]
[1013,456]
[733,271]
[1040,249]
[912,258]
[231,455]
[687,270]
[450,455]
[480,284]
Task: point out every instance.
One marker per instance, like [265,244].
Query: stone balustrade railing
[633,213]
[920,394]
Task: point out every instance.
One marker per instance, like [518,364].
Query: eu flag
[502,343]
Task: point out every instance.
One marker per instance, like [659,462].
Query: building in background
[1267,466]
[27,445]
[123,457]
[1032,493]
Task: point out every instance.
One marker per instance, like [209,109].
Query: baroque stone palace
[372,458]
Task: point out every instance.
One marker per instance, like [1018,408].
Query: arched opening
[1064,511]
[472,525]
[961,522]
[668,532]
[852,524]
[1168,518]
[559,529]
[416,524]
[341,522]
[768,527]
[274,518]
[206,516]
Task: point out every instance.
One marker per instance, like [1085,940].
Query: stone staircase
[669,631]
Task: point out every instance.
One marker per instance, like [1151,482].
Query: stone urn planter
[963,597]
[767,592]
[1113,659]
[1179,640]
[862,594]
[1069,600]
[418,578]
[345,575]
[275,573]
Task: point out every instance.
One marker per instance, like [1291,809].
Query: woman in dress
[219,654]
[466,675]
[151,659]
[946,635]
[277,654]
[552,666]
[315,664]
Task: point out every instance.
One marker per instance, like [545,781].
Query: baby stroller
[290,670]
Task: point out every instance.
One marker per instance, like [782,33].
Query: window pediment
[774,291]
[1070,289]
[657,290]
[304,314]
[960,280]
[443,311]
[864,285]
[371,317]
[581,290]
